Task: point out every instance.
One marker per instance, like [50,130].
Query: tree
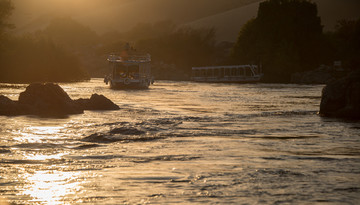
[32,58]
[183,47]
[69,33]
[285,37]
[6,9]
[347,43]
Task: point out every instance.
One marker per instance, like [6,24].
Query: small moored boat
[227,74]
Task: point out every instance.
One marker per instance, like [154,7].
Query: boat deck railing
[130,58]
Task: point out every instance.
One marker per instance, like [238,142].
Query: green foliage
[285,37]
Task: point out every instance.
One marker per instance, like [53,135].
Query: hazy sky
[122,15]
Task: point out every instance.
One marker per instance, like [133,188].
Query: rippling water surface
[183,142]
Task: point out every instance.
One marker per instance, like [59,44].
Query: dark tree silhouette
[347,42]
[33,58]
[6,9]
[285,37]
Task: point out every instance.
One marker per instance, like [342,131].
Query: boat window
[119,71]
[194,73]
[133,68]
[242,71]
[133,72]
[216,72]
[248,71]
[120,67]
[227,72]
[209,73]
[203,73]
[233,72]
[198,73]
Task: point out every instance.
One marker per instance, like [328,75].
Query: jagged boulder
[8,106]
[50,100]
[96,102]
[341,98]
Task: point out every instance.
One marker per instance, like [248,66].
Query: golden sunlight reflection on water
[48,185]
[43,130]
[37,134]
[51,186]
[43,156]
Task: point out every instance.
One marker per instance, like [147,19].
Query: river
[183,143]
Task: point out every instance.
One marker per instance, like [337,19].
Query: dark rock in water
[100,102]
[341,98]
[50,100]
[7,106]
[96,102]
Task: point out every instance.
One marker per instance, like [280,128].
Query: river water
[183,143]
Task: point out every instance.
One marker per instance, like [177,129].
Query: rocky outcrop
[9,107]
[96,102]
[50,100]
[341,98]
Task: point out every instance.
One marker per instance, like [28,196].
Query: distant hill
[226,16]
[121,15]
[228,23]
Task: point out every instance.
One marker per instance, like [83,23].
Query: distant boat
[130,71]
[227,74]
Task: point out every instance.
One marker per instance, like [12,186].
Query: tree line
[285,37]
[33,58]
[66,50]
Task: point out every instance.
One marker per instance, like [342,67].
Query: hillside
[228,23]
[120,15]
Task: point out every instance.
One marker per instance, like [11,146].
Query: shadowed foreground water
[183,142]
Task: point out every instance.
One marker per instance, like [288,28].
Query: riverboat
[130,71]
[227,74]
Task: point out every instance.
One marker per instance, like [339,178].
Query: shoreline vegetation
[287,45]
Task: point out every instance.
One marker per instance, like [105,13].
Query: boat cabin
[129,72]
